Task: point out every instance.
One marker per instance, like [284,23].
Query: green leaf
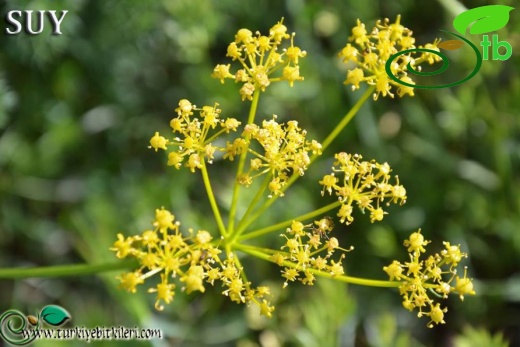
[54,315]
[486,18]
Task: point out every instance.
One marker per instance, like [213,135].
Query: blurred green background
[77,112]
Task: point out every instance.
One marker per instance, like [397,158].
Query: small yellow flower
[194,162]
[319,263]
[279,32]
[437,315]
[265,309]
[452,254]
[221,72]
[345,214]
[150,260]
[349,53]
[297,228]
[231,124]
[414,268]
[212,275]
[291,74]
[203,237]
[377,214]
[293,53]
[163,219]
[331,244]
[129,281]
[359,34]
[193,279]
[336,269]
[247,91]
[290,274]
[243,36]
[402,90]
[275,186]
[158,142]
[355,77]
[464,286]
[165,292]
[278,259]
[416,242]
[309,278]
[185,108]
[149,237]
[328,182]
[123,246]
[394,270]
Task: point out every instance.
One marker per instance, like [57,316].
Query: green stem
[346,279]
[241,164]
[259,194]
[346,119]
[212,200]
[66,270]
[332,136]
[288,222]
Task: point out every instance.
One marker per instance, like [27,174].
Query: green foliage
[479,337]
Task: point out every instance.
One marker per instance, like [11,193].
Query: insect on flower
[323,226]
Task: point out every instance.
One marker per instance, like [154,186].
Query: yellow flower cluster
[302,252]
[370,52]
[281,152]
[196,135]
[365,183]
[429,276]
[191,260]
[285,152]
[260,56]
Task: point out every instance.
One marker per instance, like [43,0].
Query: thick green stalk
[259,194]
[288,222]
[67,270]
[346,119]
[241,164]
[212,200]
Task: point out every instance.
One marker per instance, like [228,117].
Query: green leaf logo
[54,315]
[486,19]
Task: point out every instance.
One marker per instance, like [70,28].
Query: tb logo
[479,20]
[495,46]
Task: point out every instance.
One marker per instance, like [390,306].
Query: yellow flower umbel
[260,57]
[302,255]
[365,183]
[187,261]
[371,50]
[285,151]
[436,276]
[194,135]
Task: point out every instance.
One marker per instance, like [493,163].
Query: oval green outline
[445,63]
[471,75]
